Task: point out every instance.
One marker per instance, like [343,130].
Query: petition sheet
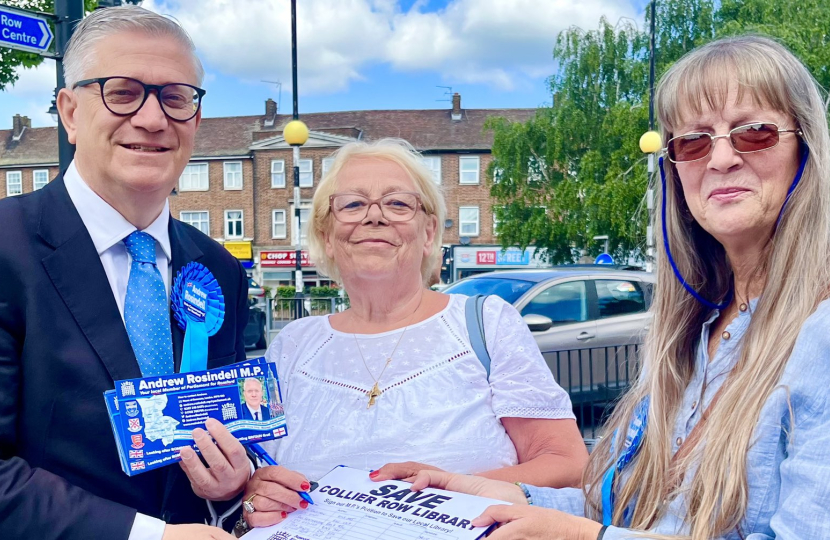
[349,506]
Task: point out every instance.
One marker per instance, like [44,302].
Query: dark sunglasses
[744,139]
[124,96]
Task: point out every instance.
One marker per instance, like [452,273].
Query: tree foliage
[580,158]
[803,26]
[11,59]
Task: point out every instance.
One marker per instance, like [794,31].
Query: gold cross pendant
[373,394]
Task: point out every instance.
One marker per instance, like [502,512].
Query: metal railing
[595,379]
[281,311]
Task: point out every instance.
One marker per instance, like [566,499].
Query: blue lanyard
[633,441]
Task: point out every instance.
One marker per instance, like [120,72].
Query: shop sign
[240,250]
[282,259]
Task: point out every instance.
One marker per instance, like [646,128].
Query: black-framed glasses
[124,96]
[397,206]
[744,139]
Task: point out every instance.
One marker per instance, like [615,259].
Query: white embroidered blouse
[436,404]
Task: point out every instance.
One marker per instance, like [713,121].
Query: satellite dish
[447,223]
[464,240]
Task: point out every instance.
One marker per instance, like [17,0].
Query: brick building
[238,186]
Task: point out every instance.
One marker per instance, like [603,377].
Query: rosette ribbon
[199,308]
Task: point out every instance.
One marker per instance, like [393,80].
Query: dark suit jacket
[62,344]
[263,412]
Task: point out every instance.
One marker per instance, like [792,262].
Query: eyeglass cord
[805,152]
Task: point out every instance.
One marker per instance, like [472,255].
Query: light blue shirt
[788,465]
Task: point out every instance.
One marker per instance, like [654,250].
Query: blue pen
[263,455]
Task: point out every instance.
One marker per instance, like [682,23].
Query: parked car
[588,321]
[255,290]
[255,332]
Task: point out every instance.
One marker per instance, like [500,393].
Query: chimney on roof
[456,106]
[270,112]
[19,125]
[270,107]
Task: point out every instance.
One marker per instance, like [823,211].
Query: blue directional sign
[24,31]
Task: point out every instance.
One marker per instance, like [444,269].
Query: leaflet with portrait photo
[153,417]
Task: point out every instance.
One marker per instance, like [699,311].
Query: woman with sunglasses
[394,378]
[727,432]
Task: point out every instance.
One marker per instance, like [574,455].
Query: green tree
[575,170]
[11,59]
[803,26]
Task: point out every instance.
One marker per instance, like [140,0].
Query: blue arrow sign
[24,31]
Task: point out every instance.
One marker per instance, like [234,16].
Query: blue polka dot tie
[146,312]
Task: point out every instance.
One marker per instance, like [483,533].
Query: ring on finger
[248,504]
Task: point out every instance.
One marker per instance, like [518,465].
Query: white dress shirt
[108,229]
[255,412]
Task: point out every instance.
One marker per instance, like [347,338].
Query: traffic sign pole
[69,13]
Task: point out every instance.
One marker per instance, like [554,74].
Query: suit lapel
[183,251]
[77,274]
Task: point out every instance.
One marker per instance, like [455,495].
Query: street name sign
[24,31]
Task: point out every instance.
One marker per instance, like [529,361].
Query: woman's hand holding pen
[273,493]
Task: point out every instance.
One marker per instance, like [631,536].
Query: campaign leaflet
[153,417]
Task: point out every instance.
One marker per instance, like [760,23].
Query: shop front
[278,267]
[470,260]
[244,252]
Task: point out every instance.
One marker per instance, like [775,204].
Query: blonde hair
[795,276]
[394,150]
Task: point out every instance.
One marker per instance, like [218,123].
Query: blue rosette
[199,308]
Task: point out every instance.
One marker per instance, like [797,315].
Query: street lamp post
[295,134]
[650,143]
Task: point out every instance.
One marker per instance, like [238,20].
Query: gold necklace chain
[375,392]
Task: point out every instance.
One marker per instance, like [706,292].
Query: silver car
[587,321]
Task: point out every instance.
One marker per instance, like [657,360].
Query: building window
[233,175]
[278,225]
[233,224]
[40,179]
[306,173]
[194,177]
[14,183]
[434,166]
[327,163]
[200,220]
[468,221]
[305,213]
[468,170]
[277,173]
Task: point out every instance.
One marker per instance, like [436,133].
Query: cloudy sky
[362,54]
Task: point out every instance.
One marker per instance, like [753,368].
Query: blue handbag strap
[473,310]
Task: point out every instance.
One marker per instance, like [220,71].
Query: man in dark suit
[253,408]
[86,266]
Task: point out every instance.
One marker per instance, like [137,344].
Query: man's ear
[67,103]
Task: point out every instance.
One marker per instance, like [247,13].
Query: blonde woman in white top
[394,378]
